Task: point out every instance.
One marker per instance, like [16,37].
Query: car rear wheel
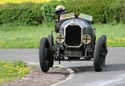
[44,52]
[100,53]
[51,43]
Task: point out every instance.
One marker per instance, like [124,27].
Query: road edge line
[70,76]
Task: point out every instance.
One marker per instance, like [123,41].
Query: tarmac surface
[113,73]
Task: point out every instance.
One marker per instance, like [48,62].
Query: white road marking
[70,76]
[77,69]
[32,63]
[116,80]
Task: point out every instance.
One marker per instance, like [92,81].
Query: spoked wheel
[51,43]
[44,54]
[100,53]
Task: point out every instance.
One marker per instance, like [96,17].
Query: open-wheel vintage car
[75,41]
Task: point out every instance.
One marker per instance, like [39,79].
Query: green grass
[115,34]
[22,36]
[12,70]
[13,36]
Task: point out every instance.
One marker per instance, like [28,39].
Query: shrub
[122,11]
[103,11]
[26,13]
[48,10]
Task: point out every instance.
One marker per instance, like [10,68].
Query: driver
[59,9]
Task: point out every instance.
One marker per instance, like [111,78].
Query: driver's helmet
[59,9]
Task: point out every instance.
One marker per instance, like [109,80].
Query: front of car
[75,35]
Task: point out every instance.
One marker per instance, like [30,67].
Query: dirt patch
[38,78]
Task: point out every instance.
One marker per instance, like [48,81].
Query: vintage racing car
[75,41]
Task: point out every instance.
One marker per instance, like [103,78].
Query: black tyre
[44,51]
[100,53]
[51,43]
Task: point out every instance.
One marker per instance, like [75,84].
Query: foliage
[19,63]
[26,13]
[48,10]
[22,1]
[12,70]
[103,11]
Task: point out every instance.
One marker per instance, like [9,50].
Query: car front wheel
[44,52]
[100,53]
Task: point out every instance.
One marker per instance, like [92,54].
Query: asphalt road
[112,75]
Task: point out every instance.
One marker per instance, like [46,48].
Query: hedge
[27,13]
[103,11]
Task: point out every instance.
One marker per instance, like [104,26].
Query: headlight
[60,38]
[86,39]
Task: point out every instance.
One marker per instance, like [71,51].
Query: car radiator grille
[73,35]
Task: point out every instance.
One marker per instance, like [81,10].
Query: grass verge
[12,70]
[13,36]
[115,34]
